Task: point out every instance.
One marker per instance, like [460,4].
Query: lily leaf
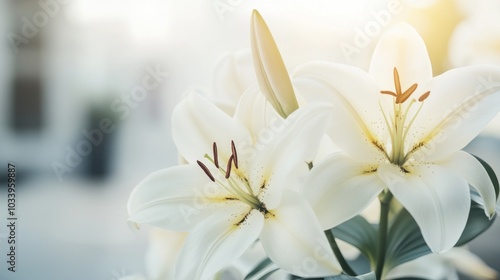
[477,223]
[405,241]
[409,278]
[369,276]
[361,234]
[258,268]
[267,275]
[491,173]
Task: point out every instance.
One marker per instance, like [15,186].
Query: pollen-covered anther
[234,154]
[397,82]
[389,93]
[401,96]
[229,164]
[405,95]
[205,169]
[424,96]
[216,155]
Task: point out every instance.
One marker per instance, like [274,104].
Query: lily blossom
[236,189]
[401,129]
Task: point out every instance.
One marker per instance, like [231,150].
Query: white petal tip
[492,214]
[133,225]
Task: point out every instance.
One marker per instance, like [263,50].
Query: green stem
[336,250]
[385,201]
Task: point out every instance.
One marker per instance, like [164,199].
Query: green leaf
[369,276]
[267,275]
[405,241]
[409,278]
[361,234]
[477,223]
[491,173]
[260,266]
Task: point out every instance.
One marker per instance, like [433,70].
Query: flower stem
[385,201]
[336,250]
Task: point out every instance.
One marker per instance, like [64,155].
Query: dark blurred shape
[27,104]
[98,164]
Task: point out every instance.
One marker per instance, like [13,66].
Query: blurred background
[87,88]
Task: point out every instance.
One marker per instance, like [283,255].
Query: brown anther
[234,154]
[205,169]
[388,92]
[229,164]
[403,97]
[216,156]
[424,96]
[397,82]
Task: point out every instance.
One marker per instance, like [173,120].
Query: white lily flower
[236,189]
[401,129]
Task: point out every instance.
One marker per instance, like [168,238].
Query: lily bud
[272,76]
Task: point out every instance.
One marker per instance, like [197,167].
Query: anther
[205,169]
[397,83]
[389,92]
[424,96]
[403,97]
[234,154]
[229,164]
[216,156]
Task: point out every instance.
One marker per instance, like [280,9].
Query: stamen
[424,96]
[205,169]
[402,98]
[397,82]
[235,155]
[228,169]
[216,156]
[388,92]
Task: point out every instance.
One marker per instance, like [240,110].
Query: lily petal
[470,264]
[339,188]
[282,163]
[176,198]
[403,48]
[163,249]
[256,114]
[355,97]
[430,267]
[273,78]
[233,74]
[468,167]
[197,124]
[437,199]
[461,104]
[217,241]
[294,240]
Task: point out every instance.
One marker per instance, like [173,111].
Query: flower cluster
[253,173]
